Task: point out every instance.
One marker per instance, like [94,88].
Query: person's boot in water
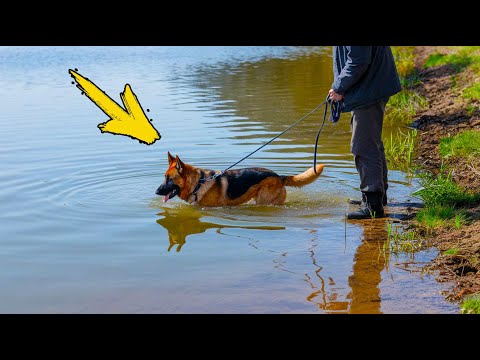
[371,207]
[359,202]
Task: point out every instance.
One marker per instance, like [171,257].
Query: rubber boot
[371,207]
[359,202]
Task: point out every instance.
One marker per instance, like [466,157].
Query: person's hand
[334,96]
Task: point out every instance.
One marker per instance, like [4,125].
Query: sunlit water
[82,230]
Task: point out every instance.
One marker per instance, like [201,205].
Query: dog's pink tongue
[166,197]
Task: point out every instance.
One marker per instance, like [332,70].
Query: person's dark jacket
[364,75]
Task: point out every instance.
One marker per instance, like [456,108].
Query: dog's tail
[304,178]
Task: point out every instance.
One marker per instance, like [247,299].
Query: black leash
[335,111]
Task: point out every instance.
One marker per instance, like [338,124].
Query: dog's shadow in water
[181,223]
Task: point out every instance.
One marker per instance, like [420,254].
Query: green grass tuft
[442,190]
[435,60]
[460,219]
[404,105]
[472,92]
[465,144]
[441,196]
[435,216]
[471,305]
[471,109]
[401,241]
[452,251]
[476,67]
[459,61]
[399,150]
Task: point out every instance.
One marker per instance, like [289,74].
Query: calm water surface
[82,230]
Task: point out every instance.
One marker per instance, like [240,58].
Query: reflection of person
[364,78]
[369,262]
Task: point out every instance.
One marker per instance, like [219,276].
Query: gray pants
[367,147]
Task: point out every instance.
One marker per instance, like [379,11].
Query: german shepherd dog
[234,187]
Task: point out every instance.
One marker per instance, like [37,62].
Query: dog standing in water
[234,187]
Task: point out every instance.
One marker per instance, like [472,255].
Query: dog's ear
[170,158]
[179,164]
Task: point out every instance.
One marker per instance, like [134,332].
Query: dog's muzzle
[168,190]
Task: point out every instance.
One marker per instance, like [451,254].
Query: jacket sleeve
[358,58]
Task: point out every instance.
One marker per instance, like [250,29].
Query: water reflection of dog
[181,222]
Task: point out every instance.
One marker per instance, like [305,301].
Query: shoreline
[449,113]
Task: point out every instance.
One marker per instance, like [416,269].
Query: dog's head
[174,182]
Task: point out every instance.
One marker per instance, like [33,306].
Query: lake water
[82,230]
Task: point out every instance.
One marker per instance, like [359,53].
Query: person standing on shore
[364,79]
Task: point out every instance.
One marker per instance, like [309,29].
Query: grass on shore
[442,190]
[442,196]
[472,92]
[460,58]
[435,216]
[399,150]
[471,305]
[465,144]
[404,105]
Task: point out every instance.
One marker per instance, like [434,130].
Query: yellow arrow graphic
[130,121]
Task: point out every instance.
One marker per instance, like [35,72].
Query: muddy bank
[449,113]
